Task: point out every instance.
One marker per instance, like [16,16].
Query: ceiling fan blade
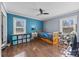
[41,11]
[45,13]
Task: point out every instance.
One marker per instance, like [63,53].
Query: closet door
[3,27]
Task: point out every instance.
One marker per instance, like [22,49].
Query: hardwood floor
[33,49]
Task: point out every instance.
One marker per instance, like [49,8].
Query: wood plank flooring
[33,49]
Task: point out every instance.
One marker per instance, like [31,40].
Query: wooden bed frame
[54,41]
[47,40]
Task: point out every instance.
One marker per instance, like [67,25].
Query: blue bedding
[46,35]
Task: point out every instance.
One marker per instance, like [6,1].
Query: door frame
[3,10]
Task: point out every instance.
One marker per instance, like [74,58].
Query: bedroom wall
[29,24]
[53,24]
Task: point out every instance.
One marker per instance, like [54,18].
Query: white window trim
[14,25]
[74,19]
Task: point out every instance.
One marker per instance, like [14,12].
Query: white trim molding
[74,18]
[0,33]
[4,14]
[15,19]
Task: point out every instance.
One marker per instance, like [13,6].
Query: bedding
[46,35]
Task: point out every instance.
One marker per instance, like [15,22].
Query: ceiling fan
[42,12]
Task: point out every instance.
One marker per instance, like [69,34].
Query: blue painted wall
[37,24]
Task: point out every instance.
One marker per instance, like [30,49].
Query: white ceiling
[29,9]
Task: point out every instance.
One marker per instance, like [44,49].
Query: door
[3,27]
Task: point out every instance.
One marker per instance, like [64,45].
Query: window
[19,25]
[67,25]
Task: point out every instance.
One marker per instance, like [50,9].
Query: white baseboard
[4,45]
